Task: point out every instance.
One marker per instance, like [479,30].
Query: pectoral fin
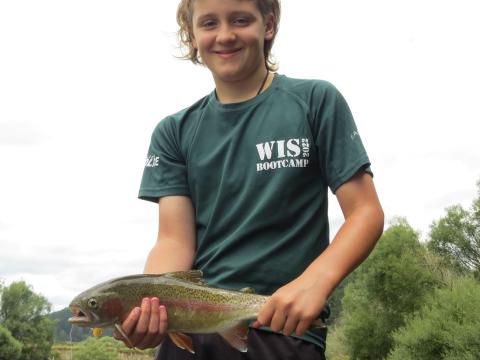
[182,340]
[125,336]
[237,336]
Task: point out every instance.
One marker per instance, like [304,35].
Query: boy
[241,179]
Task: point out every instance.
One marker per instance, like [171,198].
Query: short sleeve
[165,170]
[339,147]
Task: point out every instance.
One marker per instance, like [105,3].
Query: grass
[64,351]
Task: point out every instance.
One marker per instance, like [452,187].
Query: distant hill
[63,329]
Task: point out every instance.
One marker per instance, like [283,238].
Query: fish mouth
[80,317]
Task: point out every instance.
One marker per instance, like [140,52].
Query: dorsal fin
[194,276]
[247,290]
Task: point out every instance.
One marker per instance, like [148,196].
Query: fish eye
[92,303]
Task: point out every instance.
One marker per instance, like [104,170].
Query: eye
[208,24]
[92,303]
[241,21]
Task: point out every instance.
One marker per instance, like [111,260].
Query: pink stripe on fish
[197,305]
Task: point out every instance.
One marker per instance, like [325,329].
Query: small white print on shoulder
[354,134]
[152,161]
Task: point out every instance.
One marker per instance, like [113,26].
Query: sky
[83,84]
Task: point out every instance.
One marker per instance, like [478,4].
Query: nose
[226,35]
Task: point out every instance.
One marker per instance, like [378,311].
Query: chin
[229,74]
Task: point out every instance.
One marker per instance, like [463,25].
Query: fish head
[96,309]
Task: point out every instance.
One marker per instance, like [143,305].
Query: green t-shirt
[258,174]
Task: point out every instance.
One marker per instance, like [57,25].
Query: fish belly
[206,318]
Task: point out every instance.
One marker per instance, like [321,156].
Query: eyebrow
[230,15]
[205,16]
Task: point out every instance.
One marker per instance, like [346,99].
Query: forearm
[169,255]
[352,244]
[174,249]
[294,306]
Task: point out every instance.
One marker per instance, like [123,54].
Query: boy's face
[229,36]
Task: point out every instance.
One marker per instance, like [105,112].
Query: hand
[293,307]
[145,326]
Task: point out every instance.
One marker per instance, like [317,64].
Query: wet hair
[185,21]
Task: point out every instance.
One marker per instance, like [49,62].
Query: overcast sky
[83,83]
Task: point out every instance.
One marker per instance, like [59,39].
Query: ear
[269,27]
[193,41]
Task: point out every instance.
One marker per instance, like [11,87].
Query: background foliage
[447,326]
[391,284]
[412,299]
[23,314]
[10,348]
[97,349]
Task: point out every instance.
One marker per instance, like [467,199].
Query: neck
[241,90]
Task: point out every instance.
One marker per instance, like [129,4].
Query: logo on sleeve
[151,161]
[283,154]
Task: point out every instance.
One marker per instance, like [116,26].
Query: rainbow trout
[192,306]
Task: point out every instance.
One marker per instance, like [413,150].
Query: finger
[162,326]
[278,320]
[256,324]
[143,322]
[290,324]
[153,325]
[152,340]
[303,326]
[265,315]
[163,323]
[128,324]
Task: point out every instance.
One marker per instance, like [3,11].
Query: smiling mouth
[227,53]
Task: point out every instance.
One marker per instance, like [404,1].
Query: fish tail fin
[236,336]
[182,340]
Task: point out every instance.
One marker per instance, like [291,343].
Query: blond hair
[185,21]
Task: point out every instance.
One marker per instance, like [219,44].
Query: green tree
[446,327]
[10,349]
[456,238]
[391,284]
[23,313]
[104,348]
[336,349]
[335,300]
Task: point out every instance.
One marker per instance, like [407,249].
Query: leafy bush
[10,349]
[336,343]
[97,349]
[456,238]
[23,313]
[447,327]
[390,285]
